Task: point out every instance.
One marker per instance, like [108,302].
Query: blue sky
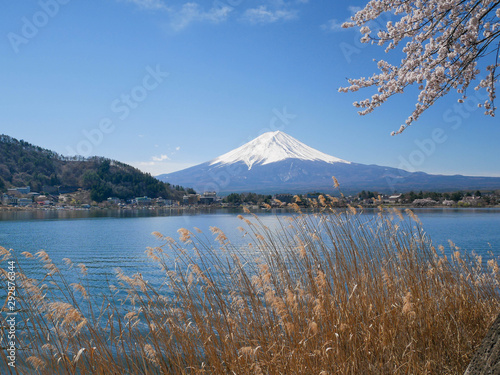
[166,85]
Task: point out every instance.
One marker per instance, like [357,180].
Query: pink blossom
[444,40]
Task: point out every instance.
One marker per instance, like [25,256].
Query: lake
[104,240]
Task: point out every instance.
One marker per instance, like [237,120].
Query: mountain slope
[273,147]
[22,163]
[277,163]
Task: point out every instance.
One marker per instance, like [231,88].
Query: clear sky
[164,85]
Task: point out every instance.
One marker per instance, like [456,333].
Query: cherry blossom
[443,42]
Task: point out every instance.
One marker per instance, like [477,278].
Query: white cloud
[188,13]
[192,12]
[148,4]
[157,168]
[332,25]
[160,158]
[177,148]
[143,164]
[353,9]
[264,15]
[335,25]
[180,17]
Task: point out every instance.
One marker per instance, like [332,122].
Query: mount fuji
[278,163]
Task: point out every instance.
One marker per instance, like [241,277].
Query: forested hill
[22,164]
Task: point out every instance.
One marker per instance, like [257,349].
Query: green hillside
[22,164]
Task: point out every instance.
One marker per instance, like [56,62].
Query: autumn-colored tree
[443,40]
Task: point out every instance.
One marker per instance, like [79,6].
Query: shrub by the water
[330,293]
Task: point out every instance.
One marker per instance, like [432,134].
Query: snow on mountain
[277,163]
[272,147]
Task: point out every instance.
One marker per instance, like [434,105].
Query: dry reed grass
[331,293]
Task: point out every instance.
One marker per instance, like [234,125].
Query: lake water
[105,240]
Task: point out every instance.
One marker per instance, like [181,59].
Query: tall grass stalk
[330,293]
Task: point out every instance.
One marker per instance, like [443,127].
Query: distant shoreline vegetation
[267,202]
[46,172]
[22,198]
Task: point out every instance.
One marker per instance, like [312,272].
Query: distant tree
[100,192]
[251,197]
[103,168]
[190,191]
[233,198]
[367,194]
[411,196]
[90,178]
[5,172]
[456,196]
[433,195]
[54,180]
[443,42]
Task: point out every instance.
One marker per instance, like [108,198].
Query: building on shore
[396,198]
[19,191]
[113,200]
[208,197]
[9,200]
[45,200]
[142,201]
[23,202]
[191,199]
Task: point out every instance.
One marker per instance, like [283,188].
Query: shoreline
[252,208]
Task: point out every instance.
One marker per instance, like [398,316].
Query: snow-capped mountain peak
[272,147]
[278,163]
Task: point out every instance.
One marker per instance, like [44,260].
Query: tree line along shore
[82,199]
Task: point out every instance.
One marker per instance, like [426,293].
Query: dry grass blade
[337,293]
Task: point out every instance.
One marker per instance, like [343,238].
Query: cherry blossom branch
[446,39]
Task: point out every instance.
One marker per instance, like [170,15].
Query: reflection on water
[108,239]
[116,213]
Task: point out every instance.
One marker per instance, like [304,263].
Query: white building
[9,200]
